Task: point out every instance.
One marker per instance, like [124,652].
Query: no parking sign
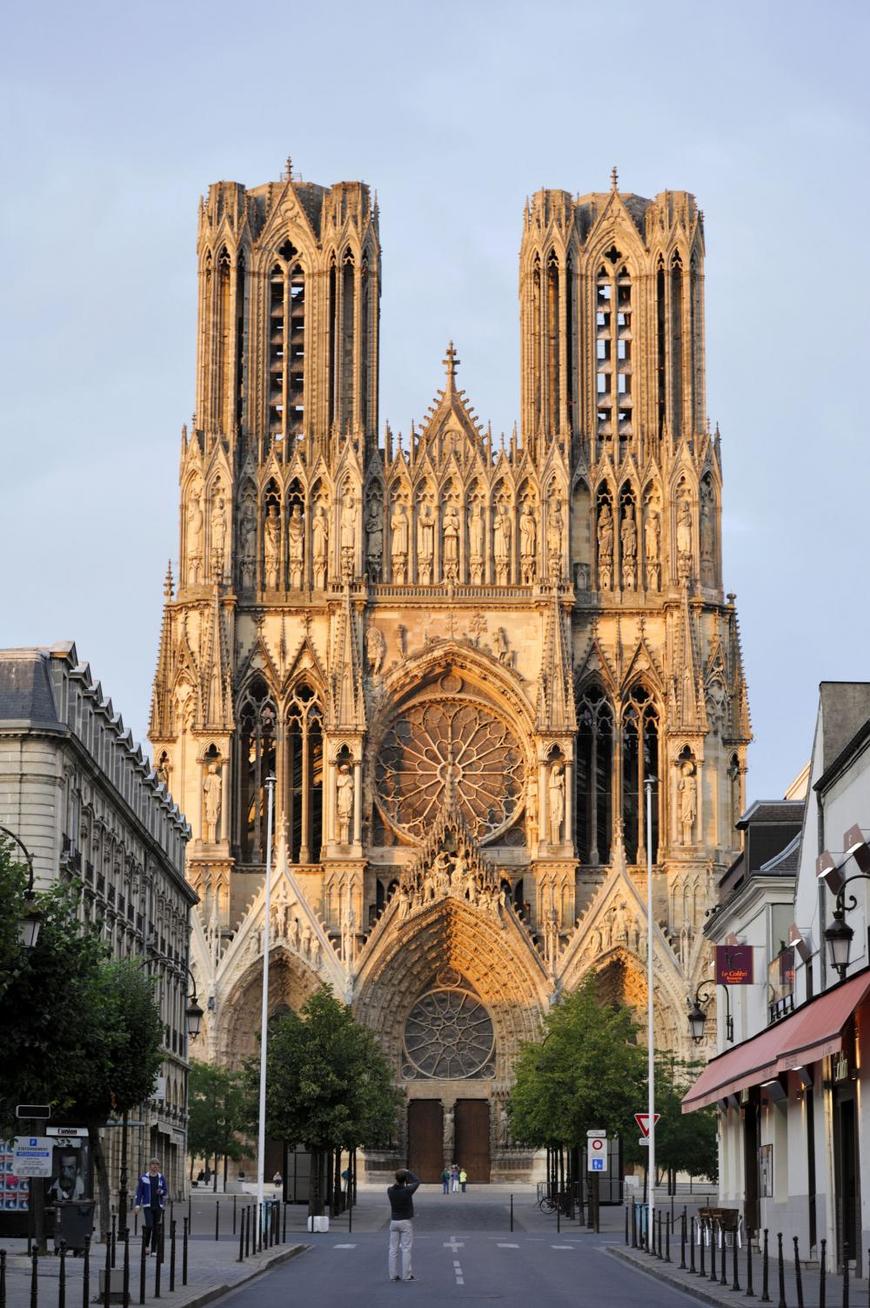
[596,1151]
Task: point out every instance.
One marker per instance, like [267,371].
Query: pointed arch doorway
[426,1138]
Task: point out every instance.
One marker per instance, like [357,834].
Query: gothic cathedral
[460,657]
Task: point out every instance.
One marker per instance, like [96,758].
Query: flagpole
[650,1043]
[264,1013]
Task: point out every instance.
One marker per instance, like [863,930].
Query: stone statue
[605,547]
[320,546]
[551,938]
[272,547]
[556,798]
[706,534]
[476,544]
[441,875]
[247,544]
[348,534]
[628,535]
[219,535]
[528,544]
[684,540]
[376,648]
[296,537]
[502,646]
[502,533]
[374,541]
[425,543]
[344,802]
[194,540]
[554,540]
[688,792]
[399,543]
[211,789]
[450,557]
[652,547]
[532,812]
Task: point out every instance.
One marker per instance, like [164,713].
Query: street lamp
[698,1011]
[194,1011]
[839,937]
[31,918]
[839,934]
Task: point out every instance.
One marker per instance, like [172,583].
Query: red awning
[811,1033]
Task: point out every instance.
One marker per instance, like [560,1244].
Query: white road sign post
[596,1151]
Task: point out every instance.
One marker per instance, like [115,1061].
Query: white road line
[344,1246]
[507,1246]
[563,1246]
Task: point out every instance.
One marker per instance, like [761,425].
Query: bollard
[712,1230]
[349,1222]
[217,1219]
[189,1215]
[242,1238]
[158,1264]
[107,1275]
[723,1256]
[765,1283]
[781,1270]
[558,1215]
[735,1283]
[702,1233]
[126,1267]
[683,1241]
[797,1275]
[626,1224]
[234,1213]
[34,1278]
[184,1251]
[823,1244]
[692,1245]
[749,1292]
[142,1254]
[86,1272]
[845,1282]
[2,1278]
[113,1237]
[171,1254]
[667,1242]
[248,1231]
[61,1277]
[136,1222]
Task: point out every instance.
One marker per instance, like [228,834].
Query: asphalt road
[458,1256]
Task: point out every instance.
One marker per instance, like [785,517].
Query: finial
[614,179]
[167,584]
[288,170]
[451,363]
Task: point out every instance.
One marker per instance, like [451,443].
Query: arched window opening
[640,759]
[239,380]
[222,408]
[594,776]
[296,351]
[677,345]
[333,343]
[364,344]
[537,370]
[613,348]
[277,353]
[257,729]
[303,775]
[553,396]
[286,345]
[346,339]
[661,346]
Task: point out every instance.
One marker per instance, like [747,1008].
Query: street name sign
[40,1112]
[32,1155]
[642,1120]
[68,1132]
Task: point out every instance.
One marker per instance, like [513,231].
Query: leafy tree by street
[329,1086]
[685,1142]
[216,1114]
[588,1071]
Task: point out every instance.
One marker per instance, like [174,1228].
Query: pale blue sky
[115,117]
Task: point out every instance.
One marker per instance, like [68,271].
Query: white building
[791,1089]
[86,804]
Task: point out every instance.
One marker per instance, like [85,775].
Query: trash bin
[73,1220]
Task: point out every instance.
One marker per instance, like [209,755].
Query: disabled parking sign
[596,1150]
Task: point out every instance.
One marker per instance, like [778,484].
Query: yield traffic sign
[642,1120]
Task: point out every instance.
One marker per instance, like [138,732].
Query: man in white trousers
[402,1223]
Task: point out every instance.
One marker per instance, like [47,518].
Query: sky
[116,117]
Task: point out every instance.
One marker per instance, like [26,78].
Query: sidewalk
[212,1269]
[708,1291]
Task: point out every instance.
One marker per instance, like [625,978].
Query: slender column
[569,803]
[640,857]
[543,803]
[305,840]
[357,802]
[357,345]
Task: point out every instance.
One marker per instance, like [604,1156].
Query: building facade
[459,656]
[87,805]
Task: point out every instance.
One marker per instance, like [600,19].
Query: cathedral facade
[459,657]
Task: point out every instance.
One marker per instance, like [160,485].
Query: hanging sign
[734,965]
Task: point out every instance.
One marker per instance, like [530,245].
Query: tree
[328,1085]
[81,1032]
[685,1142]
[588,1071]
[216,1114]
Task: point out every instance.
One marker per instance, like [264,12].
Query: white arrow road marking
[454,1244]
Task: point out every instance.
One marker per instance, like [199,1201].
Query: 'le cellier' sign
[734,965]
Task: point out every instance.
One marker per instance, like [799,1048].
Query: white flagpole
[651,1057]
[264,1014]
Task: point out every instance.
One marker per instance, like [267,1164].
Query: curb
[216,1291]
[670,1278]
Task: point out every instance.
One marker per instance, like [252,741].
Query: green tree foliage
[587,1072]
[685,1142]
[217,1112]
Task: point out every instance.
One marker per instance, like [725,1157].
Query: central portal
[471,1149]
[426,1138]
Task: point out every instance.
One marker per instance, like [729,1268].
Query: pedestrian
[454,1178]
[401,1200]
[445,1180]
[463,1178]
[151,1195]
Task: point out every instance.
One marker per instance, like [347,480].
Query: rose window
[447,752]
[448,1035]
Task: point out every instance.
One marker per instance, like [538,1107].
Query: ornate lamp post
[698,1011]
[839,935]
[31,918]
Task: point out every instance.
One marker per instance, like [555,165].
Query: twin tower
[460,657]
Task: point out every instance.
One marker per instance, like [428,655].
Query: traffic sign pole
[651,1057]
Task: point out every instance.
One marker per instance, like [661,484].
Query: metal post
[750,1292]
[765,1270]
[702,1233]
[650,984]
[713,1276]
[735,1282]
[822,1272]
[184,1251]
[264,1014]
[248,1231]
[723,1280]
[126,1239]
[158,1263]
[797,1274]
[61,1280]
[112,1239]
[781,1271]
[2,1278]
[242,1238]
[86,1273]
[845,1280]
[692,1245]
[234,1213]
[667,1242]
[558,1213]
[683,1241]
[217,1219]
[512,1212]
[172,1255]
[189,1214]
[284,1225]
[142,1254]
[107,1275]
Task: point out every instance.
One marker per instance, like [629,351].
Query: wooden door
[471,1119]
[426,1138]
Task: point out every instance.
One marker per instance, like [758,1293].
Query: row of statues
[450,876]
[628,568]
